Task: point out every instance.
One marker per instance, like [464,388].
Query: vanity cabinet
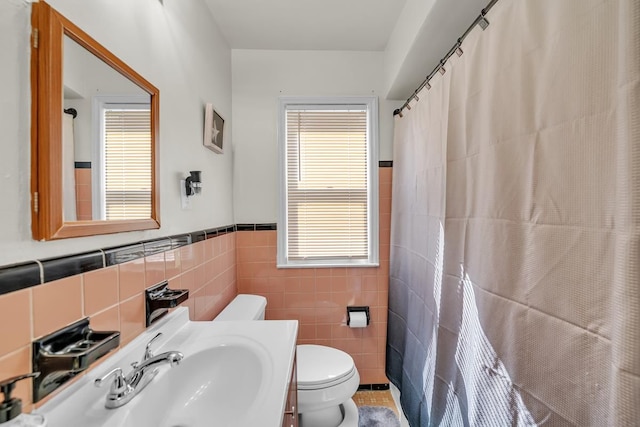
[290,418]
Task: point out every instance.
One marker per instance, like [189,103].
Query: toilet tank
[244,307]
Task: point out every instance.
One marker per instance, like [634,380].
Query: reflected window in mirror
[124,188]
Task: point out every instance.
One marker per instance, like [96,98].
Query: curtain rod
[480,20]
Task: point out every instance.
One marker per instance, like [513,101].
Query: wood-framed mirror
[94,135]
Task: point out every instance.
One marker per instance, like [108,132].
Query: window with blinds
[127,162]
[328,174]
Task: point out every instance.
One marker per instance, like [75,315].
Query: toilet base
[344,415]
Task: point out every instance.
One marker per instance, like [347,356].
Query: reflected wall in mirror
[94,136]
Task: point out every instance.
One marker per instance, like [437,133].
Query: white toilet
[327,377]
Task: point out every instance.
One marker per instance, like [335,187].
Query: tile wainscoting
[108,287]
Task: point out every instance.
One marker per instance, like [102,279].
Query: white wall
[424,33]
[179,49]
[259,78]
[402,37]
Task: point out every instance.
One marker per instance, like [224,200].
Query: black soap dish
[63,354]
[159,299]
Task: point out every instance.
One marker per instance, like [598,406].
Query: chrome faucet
[124,388]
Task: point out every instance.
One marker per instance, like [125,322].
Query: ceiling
[357,25]
[306,24]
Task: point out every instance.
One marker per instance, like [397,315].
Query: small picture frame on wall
[213,129]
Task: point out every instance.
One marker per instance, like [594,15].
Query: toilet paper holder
[358,309]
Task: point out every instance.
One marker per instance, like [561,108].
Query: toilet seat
[327,379]
[321,367]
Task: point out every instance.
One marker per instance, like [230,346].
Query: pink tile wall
[83,194]
[318,297]
[113,298]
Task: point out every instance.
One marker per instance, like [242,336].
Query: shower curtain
[515,245]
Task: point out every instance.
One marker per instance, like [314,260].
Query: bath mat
[377,416]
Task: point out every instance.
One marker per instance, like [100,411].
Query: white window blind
[327,184]
[127,163]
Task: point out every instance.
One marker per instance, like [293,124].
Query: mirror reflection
[107,145]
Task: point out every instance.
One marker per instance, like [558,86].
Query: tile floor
[375,398]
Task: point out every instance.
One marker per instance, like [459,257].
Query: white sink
[233,374]
[214,384]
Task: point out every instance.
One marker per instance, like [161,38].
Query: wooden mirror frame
[48,30]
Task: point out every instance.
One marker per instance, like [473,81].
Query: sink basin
[233,374]
[210,387]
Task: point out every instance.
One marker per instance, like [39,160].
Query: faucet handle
[120,392]
[119,384]
[147,350]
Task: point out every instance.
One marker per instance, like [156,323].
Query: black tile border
[198,236]
[266,227]
[19,276]
[59,268]
[24,275]
[226,230]
[214,232]
[385,163]
[245,227]
[373,387]
[180,240]
[208,234]
[269,226]
[121,254]
[152,247]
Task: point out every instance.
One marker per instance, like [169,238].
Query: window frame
[370,103]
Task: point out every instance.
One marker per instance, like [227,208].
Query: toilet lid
[320,366]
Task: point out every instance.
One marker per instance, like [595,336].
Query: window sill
[332,264]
